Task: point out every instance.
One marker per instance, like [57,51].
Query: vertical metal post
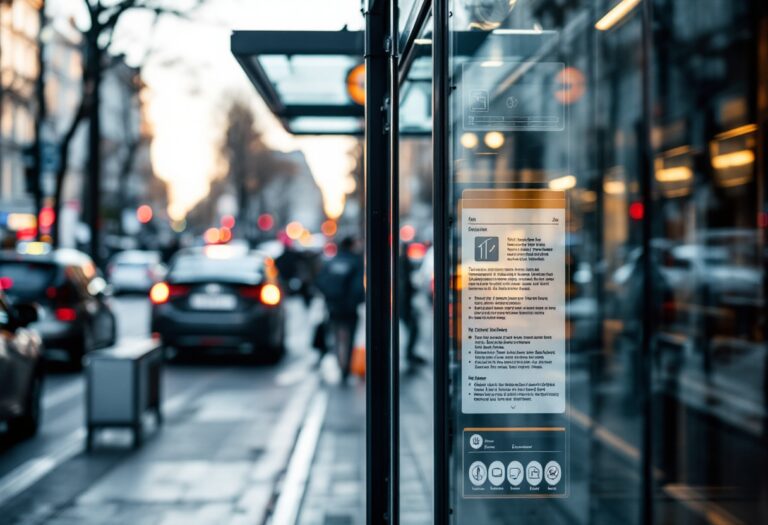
[441,210]
[648,297]
[93,178]
[40,119]
[378,267]
[761,30]
[394,248]
[2,89]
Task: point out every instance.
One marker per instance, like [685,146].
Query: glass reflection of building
[672,432]
[19,26]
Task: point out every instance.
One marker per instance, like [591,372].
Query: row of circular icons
[496,473]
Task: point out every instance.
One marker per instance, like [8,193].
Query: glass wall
[650,116]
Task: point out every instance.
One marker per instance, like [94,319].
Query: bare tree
[103,17]
[252,164]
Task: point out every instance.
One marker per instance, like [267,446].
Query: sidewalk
[336,490]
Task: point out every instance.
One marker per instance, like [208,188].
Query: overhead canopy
[302,76]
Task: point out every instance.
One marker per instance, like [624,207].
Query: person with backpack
[340,281]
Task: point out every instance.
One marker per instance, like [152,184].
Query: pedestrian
[341,283]
[407,309]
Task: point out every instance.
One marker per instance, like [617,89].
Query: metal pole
[441,210]
[394,248]
[2,88]
[378,268]
[41,115]
[94,142]
[646,193]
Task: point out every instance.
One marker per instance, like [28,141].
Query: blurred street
[228,444]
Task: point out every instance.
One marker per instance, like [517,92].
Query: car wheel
[276,352]
[26,426]
[113,331]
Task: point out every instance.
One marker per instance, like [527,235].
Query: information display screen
[513,342]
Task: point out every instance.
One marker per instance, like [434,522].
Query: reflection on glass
[698,390]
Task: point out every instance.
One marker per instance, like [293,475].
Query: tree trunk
[61,172]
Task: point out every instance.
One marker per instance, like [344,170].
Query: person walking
[407,309]
[340,281]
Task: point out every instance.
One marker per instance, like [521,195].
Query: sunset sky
[190,74]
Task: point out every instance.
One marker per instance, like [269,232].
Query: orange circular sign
[356,84]
[572,85]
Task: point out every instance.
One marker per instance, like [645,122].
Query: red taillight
[251,292]
[268,294]
[161,292]
[6,283]
[66,314]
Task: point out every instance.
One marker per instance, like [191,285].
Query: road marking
[63,394]
[297,476]
[33,470]
[296,371]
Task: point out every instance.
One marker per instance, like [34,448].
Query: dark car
[74,310]
[220,297]
[21,375]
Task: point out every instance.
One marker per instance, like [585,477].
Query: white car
[135,271]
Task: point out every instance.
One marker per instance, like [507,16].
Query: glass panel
[415,288]
[310,79]
[710,376]
[664,403]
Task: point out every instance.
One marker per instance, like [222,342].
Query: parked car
[135,271]
[220,297]
[21,376]
[73,299]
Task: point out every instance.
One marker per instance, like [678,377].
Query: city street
[235,434]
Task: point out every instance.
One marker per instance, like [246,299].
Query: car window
[202,267]
[26,280]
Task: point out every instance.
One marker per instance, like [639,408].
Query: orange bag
[357,365]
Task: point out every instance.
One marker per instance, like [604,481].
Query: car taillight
[270,295]
[267,294]
[66,314]
[251,292]
[161,292]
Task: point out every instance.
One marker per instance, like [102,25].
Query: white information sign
[513,302]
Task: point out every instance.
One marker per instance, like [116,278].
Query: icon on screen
[515,473]
[479,100]
[476,441]
[478,474]
[487,249]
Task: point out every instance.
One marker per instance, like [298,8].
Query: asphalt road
[229,436]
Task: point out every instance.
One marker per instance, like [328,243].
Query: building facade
[19,28]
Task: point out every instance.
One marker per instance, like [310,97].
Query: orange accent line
[515,429]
